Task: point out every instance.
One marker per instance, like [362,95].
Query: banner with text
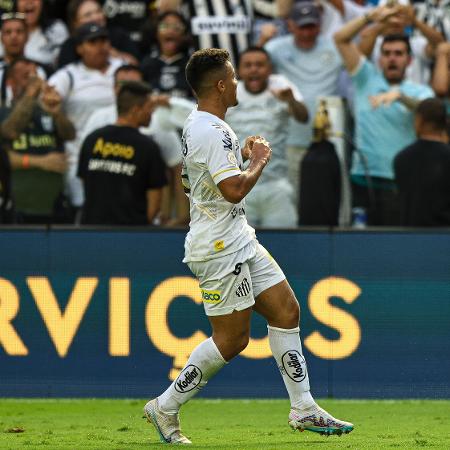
[116,314]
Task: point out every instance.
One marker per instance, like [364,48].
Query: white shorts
[234,281]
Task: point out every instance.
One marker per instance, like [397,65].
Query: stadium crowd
[93,98]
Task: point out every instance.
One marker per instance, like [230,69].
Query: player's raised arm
[234,189]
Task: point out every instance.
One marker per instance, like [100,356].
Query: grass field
[220,424]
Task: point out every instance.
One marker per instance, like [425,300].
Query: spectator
[129,15]
[311,62]
[81,12]
[122,170]
[175,207]
[14,38]
[266,102]
[164,68]
[45,35]
[422,170]
[384,104]
[422,44]
[35,129]
[85,86]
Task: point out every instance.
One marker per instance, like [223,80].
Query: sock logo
[294,365]
[188,379]
[243,289]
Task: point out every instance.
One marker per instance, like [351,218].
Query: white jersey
[211,153]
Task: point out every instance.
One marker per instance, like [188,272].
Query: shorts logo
[188,379]
[294,365]
[243,289]
[219,246]
[211,296]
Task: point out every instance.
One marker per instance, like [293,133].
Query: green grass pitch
[220,424]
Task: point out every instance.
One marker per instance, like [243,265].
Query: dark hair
[131,93]
[10,68]
[433,112]
[72,11]
[253,49]
[396,38]
[127,68]
[202,64]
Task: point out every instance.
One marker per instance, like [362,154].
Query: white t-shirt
[264,115]
[212,153]
[83,91]
[168,141]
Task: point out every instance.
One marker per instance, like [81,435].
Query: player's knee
[240,343]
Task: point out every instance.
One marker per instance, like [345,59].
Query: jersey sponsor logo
[211,296]
[219,246]
[220,24]
[226,139]
[294,365]
[188,379]
[107,149]
[243,289]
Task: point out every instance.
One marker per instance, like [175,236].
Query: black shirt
[422,173]
[167,77]
[118,166]
[130,15]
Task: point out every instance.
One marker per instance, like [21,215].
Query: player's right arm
[235,188]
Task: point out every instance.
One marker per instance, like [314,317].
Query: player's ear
[221,86]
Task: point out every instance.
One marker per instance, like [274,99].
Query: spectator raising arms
[35,129]
[384,103]
[80,12]
[85,86]
[312,63]
[123,187]
[45,35]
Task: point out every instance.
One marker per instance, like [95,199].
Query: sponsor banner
[115,313]
[221,24]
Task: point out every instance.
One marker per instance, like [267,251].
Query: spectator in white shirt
[266,102]
[85,86]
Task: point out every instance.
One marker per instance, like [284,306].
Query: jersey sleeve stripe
[226,170]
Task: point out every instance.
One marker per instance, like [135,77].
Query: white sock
[205,361]
[287,351]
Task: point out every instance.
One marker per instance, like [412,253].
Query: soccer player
[237,275]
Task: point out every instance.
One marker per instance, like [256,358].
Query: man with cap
[312,63]
[85,86]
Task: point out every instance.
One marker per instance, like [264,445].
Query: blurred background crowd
[352,96]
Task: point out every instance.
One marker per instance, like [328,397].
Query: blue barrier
[116,313]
